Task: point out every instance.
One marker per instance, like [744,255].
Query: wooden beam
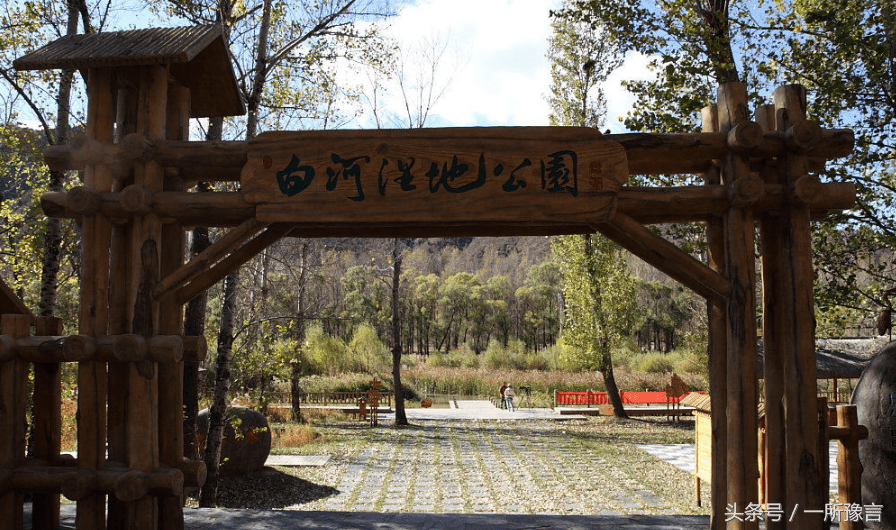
[219,250]
[240,255]
[647,205]
[665,256]
[647,153]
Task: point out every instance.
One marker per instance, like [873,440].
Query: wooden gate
[757,171]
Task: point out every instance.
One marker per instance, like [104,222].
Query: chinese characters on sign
[833,512]
[558,174]
[465,181]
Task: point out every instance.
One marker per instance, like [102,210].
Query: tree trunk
[296,367]
[209,493]
[194,325]
[610,382]
[400,416]
[53,234]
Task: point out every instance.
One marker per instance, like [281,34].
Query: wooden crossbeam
[219,250]
[647,153]
[666,257]
[228,260]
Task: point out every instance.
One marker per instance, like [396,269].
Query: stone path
[482,473]
[483,466]
[682,457]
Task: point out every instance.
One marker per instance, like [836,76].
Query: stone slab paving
[485,466]
[682,456]
[489,471]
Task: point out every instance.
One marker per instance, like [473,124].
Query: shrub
[653,362]
[325,354]
[368,351]
[493,357]
[463,357]
[436,359]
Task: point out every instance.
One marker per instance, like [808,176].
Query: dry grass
[483,381]
[289,435]
[69,425]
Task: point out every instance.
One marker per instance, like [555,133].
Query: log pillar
[742,383]
[142,309]
[774,324]
[717,348]
[47,426]
[93,316]
[795,325]
[171,378]
[13,394]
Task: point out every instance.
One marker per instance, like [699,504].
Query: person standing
[503,404]
[509,394]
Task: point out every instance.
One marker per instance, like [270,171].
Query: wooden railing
[324,399]
[628,398]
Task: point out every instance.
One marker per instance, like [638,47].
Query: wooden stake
[805,484]
[742,381]
[717,348]
[47,406]
[13,394]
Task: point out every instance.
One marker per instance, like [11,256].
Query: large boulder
[247,439]
[875,399]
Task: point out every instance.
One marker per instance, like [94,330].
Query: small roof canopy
[838,358]
[197,55]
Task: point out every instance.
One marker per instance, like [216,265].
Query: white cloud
[497,57]
[619,100]
[501,44]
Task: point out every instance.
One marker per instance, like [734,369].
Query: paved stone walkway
[486,472]
[480,466]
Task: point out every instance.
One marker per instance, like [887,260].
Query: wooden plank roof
[837,358]
[197,55]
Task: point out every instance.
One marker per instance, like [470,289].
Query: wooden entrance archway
[134,207]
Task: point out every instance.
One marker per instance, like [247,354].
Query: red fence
[628,398]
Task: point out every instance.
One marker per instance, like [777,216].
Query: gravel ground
[582,467]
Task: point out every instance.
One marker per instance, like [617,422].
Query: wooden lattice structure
[134,206]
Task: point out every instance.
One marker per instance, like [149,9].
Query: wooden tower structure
[757,173]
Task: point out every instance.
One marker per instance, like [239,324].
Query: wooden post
[145,240]
[47,405]
[717,349]
[93,319]
[775,325]
[805,485]
[13,396]
[119,322]
[741,321]
[824,455]
[171,374]
[849,468]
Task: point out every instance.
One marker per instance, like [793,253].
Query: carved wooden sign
[503,176]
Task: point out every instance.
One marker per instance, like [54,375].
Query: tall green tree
[582,58]
[600,298]
[598,290]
